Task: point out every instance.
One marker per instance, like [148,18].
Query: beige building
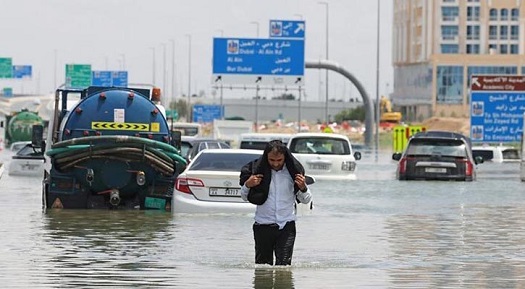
[439,44]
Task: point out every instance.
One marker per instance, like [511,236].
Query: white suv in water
[325,156]
[497,154]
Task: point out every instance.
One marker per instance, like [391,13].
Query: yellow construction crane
[388,117]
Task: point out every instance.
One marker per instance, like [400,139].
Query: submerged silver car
[437,155]
[210,183]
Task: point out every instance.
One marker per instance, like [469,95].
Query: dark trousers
[269,239]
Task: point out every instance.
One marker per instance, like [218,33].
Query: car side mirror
[396,156]
[357,155]
[176,139]
[309,180]
[479,160]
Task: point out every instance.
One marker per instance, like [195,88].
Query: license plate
[319,167]
[435,170]
[29,167]
[154,203]
[225,192]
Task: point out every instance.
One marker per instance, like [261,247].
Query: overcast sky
[123,35]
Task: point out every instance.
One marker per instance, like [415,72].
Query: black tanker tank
[110,147]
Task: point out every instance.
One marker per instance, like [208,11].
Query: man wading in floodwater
[274,182]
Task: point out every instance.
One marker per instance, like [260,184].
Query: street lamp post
[327,57]
[173,94]
[164,68]
[257,88]
[55,70]
[123,61]
[153,65]
[299,111]
[377,79]
[188,118]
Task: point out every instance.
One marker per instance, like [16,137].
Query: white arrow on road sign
[300,27]
[475,82]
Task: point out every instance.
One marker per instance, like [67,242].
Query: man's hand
[253,180]
[300,181]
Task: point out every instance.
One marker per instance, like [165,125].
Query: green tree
[357,113]
[181,107]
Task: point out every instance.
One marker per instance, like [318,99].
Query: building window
[473,32]
[493,15]
[515,14]
[449,84]
[449,48]
[472,48]
[514,32]
[473,13]
[449,32]
[504,32]
[503,49]
[449,13]
[494,70]
[504,14]
[514,49]
[493,32]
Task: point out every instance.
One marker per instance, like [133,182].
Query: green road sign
[6,68]
[78,75]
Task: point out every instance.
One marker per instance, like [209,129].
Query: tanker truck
[19,126]
[110,148]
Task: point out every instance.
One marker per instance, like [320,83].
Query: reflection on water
[276,277]
[373,232]
[94,245]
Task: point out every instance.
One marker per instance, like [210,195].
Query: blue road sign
[120,78]
[101,78]
[497,108]
[203,113]
[262,59]
[22,71]
[110,78]
[287,29]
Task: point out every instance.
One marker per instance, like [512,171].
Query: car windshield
[452,147]
[221,162]
[487,155]
[184,148]
[511,154]
[327,146]
[29,150]
[255,145]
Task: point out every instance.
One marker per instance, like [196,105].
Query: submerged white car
[210,183]
[28,161]
[497,154]
[325,156]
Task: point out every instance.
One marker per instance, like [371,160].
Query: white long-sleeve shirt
[279,208]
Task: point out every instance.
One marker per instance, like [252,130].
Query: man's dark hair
[275,146]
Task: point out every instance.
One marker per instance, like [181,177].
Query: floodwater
[375,232]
